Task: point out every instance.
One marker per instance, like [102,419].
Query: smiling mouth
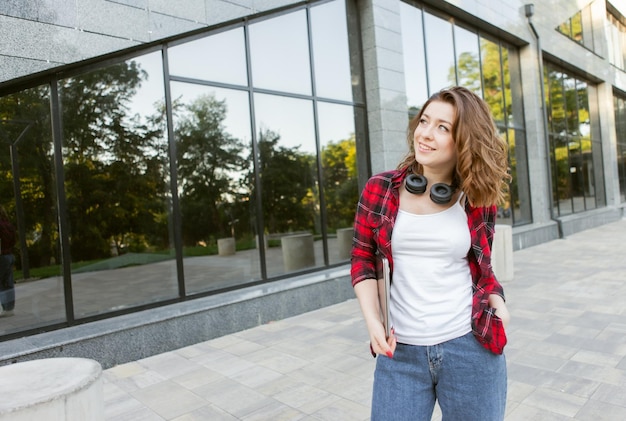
[423,147]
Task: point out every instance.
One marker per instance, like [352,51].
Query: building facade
[179,170]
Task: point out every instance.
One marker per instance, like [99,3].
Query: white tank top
[431,291]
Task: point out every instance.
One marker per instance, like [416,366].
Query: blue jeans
[7,286]
[468,381]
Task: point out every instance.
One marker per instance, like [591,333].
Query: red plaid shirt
[373,224]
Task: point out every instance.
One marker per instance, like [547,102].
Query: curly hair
[481,170]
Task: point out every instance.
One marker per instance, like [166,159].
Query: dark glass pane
[577,27]
[340,178]
[439,53]
[218,58]
[571,105]
[468,59]
[620,130]
[509,115]
[520,186]
[413,54]
[330,51]
[29,196]
[215,183]
[289,183]
[505,210]
[116,167]
[492,79]
[556,102]
[562,175]
[279,51]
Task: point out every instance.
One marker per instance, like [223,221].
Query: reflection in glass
[289,182]
[219,58]
[27,167]
[620,131]
[339,169]
[331,55]
[413,54]
[214,166]
[279,54]
[116,184]
[492,78]
[439,53]
[468,60]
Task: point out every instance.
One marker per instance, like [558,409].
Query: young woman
[433,218]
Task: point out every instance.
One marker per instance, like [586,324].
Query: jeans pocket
[489,331]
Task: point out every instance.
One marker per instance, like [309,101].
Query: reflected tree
[340,182]
[287,182]
[114,165]
[210,163]
[36,169]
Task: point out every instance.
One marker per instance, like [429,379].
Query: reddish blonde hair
[481,170]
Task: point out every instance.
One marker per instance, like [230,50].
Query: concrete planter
[60,389]
[344,242]
[298,252]
[226,246]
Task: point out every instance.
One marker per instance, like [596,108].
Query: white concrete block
[502,253]
[63,389]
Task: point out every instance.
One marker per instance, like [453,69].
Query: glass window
[279,54]
[620,131]
[29,196]
[116,170]
[214,167]
[439,53]
[414,62]
[576,154]
[468,59]
[339,169]
[331,55]
[289,182]
[219,58]
[492,79]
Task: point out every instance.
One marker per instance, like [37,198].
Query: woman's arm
[367,294]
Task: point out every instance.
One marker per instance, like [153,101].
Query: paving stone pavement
[566,355]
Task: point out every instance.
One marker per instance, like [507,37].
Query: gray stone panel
[114,20]
[140,4]
[57,12]
[218,11]
[193,10]
[14,67]
[163,26]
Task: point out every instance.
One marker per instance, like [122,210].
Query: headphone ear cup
[415,183]
[441,193]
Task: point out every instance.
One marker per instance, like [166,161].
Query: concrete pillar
[298,252]
[60,389]
[502,253]
[344,242]
[226,246]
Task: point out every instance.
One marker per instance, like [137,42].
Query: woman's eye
[443,128]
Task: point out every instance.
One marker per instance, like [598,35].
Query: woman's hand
[367,293]
[379,344]
[497,302]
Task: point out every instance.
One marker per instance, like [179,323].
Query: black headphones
[440,193]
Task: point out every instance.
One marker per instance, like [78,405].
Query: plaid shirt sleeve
[487,327]
[373,224]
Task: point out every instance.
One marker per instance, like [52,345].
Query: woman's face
[432,139]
